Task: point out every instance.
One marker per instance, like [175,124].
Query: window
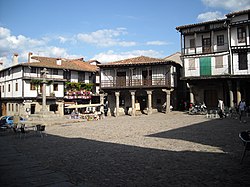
[55,86]
[81,76]
[66,74]
[220,40]
[32,86]
[219,62]
[16,86]
[33,70]
[192,43]
[206,45]
[191,65]
[8,87]
[55,71]
[242,61]
[3,88]
[241,32]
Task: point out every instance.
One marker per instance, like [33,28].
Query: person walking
[242,108]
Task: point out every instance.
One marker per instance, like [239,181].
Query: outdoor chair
[245,138]
[40,129]
[19,129]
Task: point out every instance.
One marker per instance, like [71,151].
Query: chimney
[15,59]
[59,61]
[29,57]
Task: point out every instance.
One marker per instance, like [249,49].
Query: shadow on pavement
[93,163]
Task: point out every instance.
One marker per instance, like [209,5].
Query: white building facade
[21,84]
[216,59]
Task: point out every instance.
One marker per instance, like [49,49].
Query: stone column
[117,95]
[231,95]
[132,92]
[238,92]
[44,75]
[167,100]
[191,94]
[102,103]
[149,92]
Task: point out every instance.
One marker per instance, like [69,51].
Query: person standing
[221,108]
[242,108]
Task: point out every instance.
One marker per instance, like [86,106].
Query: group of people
[241,108]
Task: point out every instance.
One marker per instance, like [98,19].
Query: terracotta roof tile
[135,61]
[238,13]
[198,24]
[71,64]
[142,60]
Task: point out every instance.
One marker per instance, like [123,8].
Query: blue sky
[104,30]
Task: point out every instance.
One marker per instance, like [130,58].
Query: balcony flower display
[78,90]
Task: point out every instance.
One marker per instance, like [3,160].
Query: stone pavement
[155,150]
[17,169]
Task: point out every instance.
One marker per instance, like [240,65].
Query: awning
[83,105]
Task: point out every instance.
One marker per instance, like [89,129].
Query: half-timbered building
[139,85]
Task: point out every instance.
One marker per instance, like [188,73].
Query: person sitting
[73,114]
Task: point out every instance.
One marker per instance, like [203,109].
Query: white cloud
[106,38]
[231,5]
[10,43]
[157,42]
[4,33]
[22,45]
[111,56]
[208,16]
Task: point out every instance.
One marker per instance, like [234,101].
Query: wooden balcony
[136,83]
[204,49]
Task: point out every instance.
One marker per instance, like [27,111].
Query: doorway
[32,108]
[121,79]
[143,102]
[147,77]
[211,98]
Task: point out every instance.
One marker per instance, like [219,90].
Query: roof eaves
[198,24]
[238,13]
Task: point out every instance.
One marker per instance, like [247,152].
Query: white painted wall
[214,71]
[236,70]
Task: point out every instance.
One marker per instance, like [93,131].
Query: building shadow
[94,163]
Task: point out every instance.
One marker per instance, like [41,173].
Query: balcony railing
[204,49]
[155,82]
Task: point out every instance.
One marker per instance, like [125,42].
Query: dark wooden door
[121,79]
